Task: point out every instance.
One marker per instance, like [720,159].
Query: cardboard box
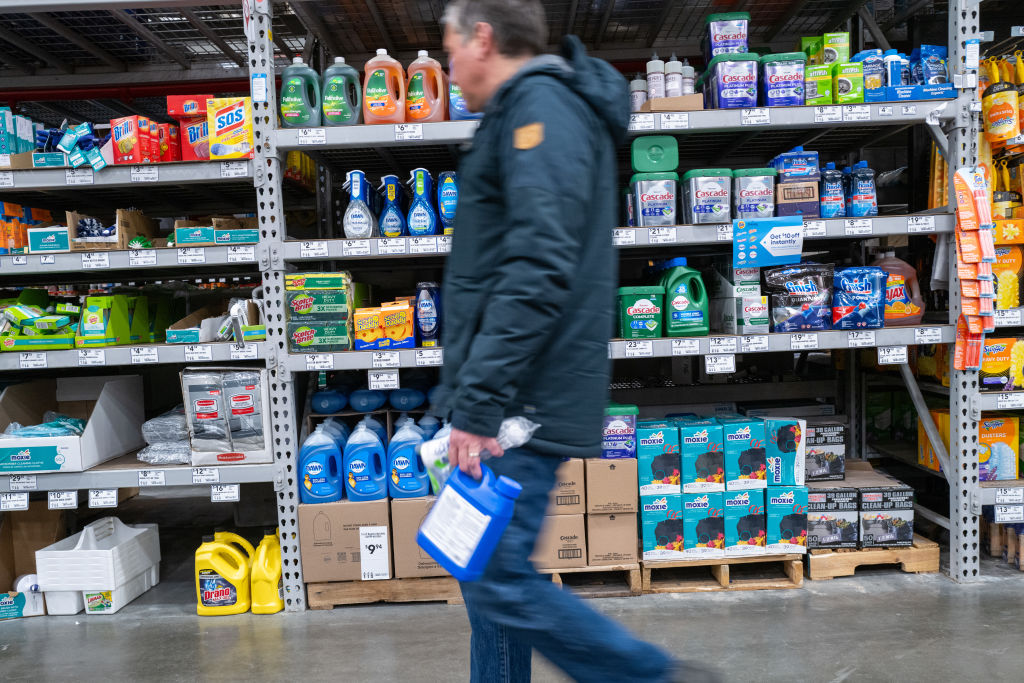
[618,436]
[693,102]
[7,573]
[568,497]
[996,372]
[740,315]
[611,539]
[562,543]
[129,223]
[189,330]
[49,240]
[112,406]
[786,510]
[329,537]
[661,524]
[745,532]
[833,515]
[797,199]
[407,514]
[195,139]
[659,468]
[611,485]
[886,511]
[825,455]
[187,106]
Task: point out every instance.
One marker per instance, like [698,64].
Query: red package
[187,106]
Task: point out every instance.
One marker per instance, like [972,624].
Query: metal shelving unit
[132,356]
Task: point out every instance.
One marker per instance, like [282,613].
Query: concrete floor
[880,625]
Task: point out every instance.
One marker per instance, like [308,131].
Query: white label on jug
[675,121]
[636,348]
[802,341]
[927,335]
[374,562]
[225,493]
[313,249]
[860,338]
[641,121]
[623,237]
[720,364]
[23,482]
[103,498]
[62,500]
[205,475]
[920,224]
[754,342]
[827,114]
[814,229]
[722,345]
[892,355]
[661,235]
[455,526]
[755,117]
[13,501]
[685,347]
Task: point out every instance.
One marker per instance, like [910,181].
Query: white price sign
[205,475]
[23,482]
[857,112]
[374,563]
[382,380]
[19,260]
[92,357]
[47,260]
[144,355]
[641,122]
[685,347]
[892,355]
[96,260]
[802,341]
[238,254]
[661,235]
[916,224]
[753,343]
[623,237]
[7,178]
[722,345]
[244,352]
[1009,514]
[62,500]
[724,233]
[13,501]
[145,174]
[312,136]
[755,117]
[827,114]
[384,359]
[355,248]
[191,255]
[103,498]
[814,229]
[927,335]
[426,357]
[639,348]
[908,109]
[444,244]
[313,249]
[886,110]
[675,121]
[860,338]
[198,353]
[78,176]
[225,493]
[720,364]
[857,226]
[141,257]
[234,169]
[1010,318]
[389,246]
[319,361]
[408,131]
[422,245]
[1010,400]
[32,360]
[1010,496]
[151,478]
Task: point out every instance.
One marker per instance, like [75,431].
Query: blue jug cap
[677,261]
[508,487]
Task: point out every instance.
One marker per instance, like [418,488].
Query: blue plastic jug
[328,401]
[364,466]
[467,521]
[406,399]
[407,477]
[365,400]
[375,426]
[320,466]
[429,424]
[457,110]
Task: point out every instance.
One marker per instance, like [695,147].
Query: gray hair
[520,28]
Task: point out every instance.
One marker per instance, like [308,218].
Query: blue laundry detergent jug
[406,399]
[328,401]
[407,477]
[429,424]
[366,400]
[364,458]
[320,467]
[467,521]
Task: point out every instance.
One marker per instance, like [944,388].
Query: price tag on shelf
[886,110]
[145,173]
[191,255]
[389,246]
[311,136]
[828,114]
[92,261]
[374,563]
[313,249]
[47,260]
[720,364]
[355,248]
[382,380]
[444,244]
[141,257]
[13,501]
[1010,400]
[917,224]
[78,176]
[675,121]
[241,254]
[1010,318]
[641,122]
[6,178]
[755,117]
[639,348]
[722,345]
[624,237]
[1009,514]
[927,335]
[319,361]
[753,343]
[144,355]
[23,482]
[860,338]
[426,357]
[198,353]
[244,352]
[1010,496]
[205,475]
[103,498]
[685,347]
[225,493]
[724,233]
[802,341]
[384,359]
[408,131]
[92,357]
[5,160]
[422,245]
[892,355]
[908,109]
[661,235]
[857,226]
[857,112]
[151,478]
[234,169]
[814,229]
[19,260]
[32,360]
[62,500]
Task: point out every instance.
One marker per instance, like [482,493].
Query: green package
[836,48]
[312,336]
[817,85]
[812,47]
[640,312]
[848,82]
[317,305]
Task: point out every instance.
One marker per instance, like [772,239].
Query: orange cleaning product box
[368,330]
[130,138]
[195,139]
[187,106]
[397,324]
[1002,364]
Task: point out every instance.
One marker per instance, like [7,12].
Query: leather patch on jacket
[529,136]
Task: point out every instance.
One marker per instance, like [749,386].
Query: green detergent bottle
[300,96]
[343,95]
[686,300]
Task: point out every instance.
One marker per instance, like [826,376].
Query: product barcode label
[1011,318]
[234,169]
[143,355]
[422,245]
[23,482]
[753,343]
[384,359]
[47,260]
[32,360]
[151,478]
[927,335]
[1009,514]
[7,178]
[1008,496]
[661,235]
[827,114]
[722,345]
[312,136]
[319,361]
[720,364]
[755,117]
[1010,400]
[225,493]
[886,110]
[860,338]
[920,224]
[62,500]
[144,174]
[892,355]
[205,475]
[675,121]
[141,257]
[802,341]
[92,357]
[313,249]
[641,122]
[391,245]
[426,357]
[685,347]
[857,112]
[95,260]
[408,131]
[198,353]
[13,501]
[382,380]
[857,226]
[103,498]
[191,255]
[814,229]
[244,352]
[639,348]
[623,237]
[374,562]
[241,254]
[78,176]
[355,248]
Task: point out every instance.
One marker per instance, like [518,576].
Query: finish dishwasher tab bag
[800,297]
[858,300]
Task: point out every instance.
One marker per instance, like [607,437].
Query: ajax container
[753,192]
[467,521]
[707,196]
[342,95]
[904,304]
[640,312]
[300,96]
[782,81]
[426,94]
[383,90]
[222,578]
[686,300]
[267,589]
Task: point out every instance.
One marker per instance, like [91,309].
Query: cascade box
[568,497]
[741,315]
[661,525]
[786,510]
[743,442]
[825,455]
[112,407]
[703,525]
[745,531]
[833,515]
[785,449]
[611,485]
[658,465]
[410,560]
[562,543]
[329,537]
[702,455]
[886,511]
[611,539]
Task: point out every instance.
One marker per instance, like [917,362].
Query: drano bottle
[320,469]
[422,219]
[364,466]
[300,96]
[392,218]
[222,578]
[407,478]
[267,587]
[342,95]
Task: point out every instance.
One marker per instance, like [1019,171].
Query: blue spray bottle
[358,221]
[422,219]
[447,200]
[392,218]
[320,468]
[407,477]
[364,459]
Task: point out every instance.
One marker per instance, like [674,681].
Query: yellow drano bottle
[267,593]
[222,578]
[229,537]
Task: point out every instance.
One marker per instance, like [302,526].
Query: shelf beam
[213,37]
[78,39]
[33,49]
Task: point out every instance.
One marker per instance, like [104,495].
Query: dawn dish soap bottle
[392,218]
[407,477]
[300,96]
[447,200]
[342,95]
[359,222]
[320,468]
[422,218]
[365,456]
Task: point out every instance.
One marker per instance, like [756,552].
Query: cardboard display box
[562,543]
[693,102]
[568,497]
[130,223]
[825,456]
[611,539]
[833,515]
[407,514]
[329,537]
[611,485]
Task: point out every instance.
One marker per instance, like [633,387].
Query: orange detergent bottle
[222,578]
[383,90]
[904,304]
[427,93]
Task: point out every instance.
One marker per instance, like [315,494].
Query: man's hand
[464,451]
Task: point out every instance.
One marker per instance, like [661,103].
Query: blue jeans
[512,608]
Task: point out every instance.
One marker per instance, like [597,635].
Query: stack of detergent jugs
[232,576]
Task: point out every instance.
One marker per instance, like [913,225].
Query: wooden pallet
[613,581]
[921,558]
[434,589]
[765,572]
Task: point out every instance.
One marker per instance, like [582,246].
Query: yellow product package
[999,447]
[230,124]
[368,329]
[396,318]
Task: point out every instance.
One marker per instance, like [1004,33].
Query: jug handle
[236,569]
[487,477]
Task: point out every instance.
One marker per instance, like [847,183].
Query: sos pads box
[703,525]
[743,441]
[785,448]
[661,527]
[786,511]
[657,451]
[745,531]
[703,457]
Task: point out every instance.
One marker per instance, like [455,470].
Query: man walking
[528,305]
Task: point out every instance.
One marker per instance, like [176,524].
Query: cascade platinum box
[833,515]
[785,449]
[658,464]
[702,455]
[745,465]
[703,525]
[745,532]
[661,524]
[740,315]
[786,511]
[825,457]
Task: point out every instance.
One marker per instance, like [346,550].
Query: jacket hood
[594,80]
